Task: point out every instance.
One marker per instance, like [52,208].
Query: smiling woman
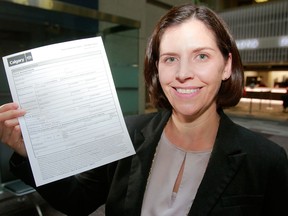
[216,31]
[191,158]
[192,80]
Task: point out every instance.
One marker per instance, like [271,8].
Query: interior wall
[278,76]
[269,78]
[136,11]
[148,15]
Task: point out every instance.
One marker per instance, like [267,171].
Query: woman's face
[191,68]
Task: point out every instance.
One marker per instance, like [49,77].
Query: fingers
[5,132]
[11,122]
[8,106]
[12,136]
[10,132]
[15,137]
[16,141]
[8,119]
[10,111]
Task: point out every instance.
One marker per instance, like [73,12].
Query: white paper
[74,121]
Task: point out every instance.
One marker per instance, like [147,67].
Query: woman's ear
[156,64]
[228,68]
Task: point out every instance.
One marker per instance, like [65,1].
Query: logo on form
[19,59]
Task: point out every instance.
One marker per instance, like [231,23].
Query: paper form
[74,121]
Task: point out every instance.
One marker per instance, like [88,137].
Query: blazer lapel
[225,160]
[145,143]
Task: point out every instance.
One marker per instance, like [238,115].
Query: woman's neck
[196,134]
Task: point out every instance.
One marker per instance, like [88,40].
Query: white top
[159,198]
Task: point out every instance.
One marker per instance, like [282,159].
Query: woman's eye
[170,59]
[202,56]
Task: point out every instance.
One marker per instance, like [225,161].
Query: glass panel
[122,50]
[23,27]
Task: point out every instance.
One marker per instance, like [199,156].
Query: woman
[191,159]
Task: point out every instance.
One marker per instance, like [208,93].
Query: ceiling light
[260,1]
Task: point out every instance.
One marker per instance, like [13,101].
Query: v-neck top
[159,198]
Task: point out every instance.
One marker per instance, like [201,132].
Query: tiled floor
[270,120]
[260,110]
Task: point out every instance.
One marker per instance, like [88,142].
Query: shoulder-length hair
[231,90]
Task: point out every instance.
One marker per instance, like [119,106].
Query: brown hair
[231,90]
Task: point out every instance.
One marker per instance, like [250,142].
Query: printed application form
[74,121]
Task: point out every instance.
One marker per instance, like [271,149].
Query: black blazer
[246,175]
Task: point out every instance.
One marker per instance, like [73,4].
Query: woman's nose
[185,71]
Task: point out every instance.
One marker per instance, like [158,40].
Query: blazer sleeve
[276,198]
[78,195]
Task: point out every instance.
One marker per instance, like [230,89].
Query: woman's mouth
[187,90]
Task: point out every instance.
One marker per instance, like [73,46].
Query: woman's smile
[187,90]
[191,69]
[185,94]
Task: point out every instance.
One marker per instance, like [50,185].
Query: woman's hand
[10,132]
